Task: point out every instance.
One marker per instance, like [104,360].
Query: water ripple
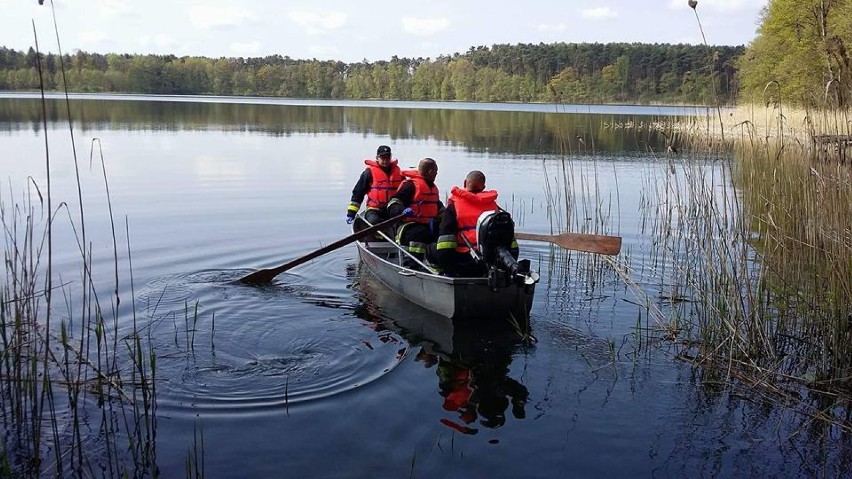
[251,348]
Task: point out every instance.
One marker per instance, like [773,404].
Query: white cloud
[316,23]
[110,8]
[600,12]
[162,41]
[720,5]
[92,37]
[244,49]
[324,52]
[424,26]
[556,28]
[203,16]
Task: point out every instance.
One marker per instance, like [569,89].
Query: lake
[327,374]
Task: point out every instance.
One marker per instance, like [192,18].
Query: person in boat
[417,198]
[457,231]
[378,182]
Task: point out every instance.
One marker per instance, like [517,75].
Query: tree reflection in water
[474,130]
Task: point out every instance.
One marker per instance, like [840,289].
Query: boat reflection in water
[471,358]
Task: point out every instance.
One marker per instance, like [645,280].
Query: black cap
[383,150]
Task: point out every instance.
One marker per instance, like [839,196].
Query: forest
[800,55]
[559,72]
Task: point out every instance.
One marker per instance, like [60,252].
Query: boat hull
[457,298]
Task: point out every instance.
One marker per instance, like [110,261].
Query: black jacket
[362,187]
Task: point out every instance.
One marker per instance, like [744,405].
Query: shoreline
[769,122]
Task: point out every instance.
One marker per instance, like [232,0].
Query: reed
[751,224]
[77,398]
[758,231]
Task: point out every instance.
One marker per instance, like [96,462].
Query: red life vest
[468,208]
[425,201]
[460,391]
[384,185]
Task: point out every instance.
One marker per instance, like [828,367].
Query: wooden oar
[609,245]
[264,276]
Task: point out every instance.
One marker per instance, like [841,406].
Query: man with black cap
[378,183]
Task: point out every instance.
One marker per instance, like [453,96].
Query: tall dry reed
[759,232]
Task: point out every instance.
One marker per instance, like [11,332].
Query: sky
[356,30]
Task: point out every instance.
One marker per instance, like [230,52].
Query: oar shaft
[403,250]
[266,275]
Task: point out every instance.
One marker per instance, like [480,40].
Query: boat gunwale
[470,280]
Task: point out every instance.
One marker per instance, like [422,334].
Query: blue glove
[349,220]
[408,212]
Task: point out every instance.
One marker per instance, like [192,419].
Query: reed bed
[78,398]
[756,231]
[581,195]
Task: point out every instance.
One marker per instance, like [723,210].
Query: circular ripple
[258,347]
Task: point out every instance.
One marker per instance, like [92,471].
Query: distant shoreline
[616,109]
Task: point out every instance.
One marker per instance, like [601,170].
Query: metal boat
[503,293]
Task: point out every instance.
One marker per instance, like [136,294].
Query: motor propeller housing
[494,230]
[495,233]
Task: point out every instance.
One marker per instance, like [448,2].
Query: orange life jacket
[468,208]
[425,201]
[460,391]
[384,185]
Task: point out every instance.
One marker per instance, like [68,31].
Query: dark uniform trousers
[375,215]
[415,237]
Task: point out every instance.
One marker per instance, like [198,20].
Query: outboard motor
[495,232]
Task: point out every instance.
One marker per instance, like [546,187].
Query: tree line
[559,72]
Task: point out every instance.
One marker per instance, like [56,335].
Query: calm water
[326,374]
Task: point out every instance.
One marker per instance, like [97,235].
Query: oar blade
[608,245]
[589,243]
[262,276]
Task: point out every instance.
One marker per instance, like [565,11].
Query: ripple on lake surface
[274,346]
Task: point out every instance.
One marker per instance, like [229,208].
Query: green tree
[801,45]
[523,72]
[567,87]
[222,77]
[462,81]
